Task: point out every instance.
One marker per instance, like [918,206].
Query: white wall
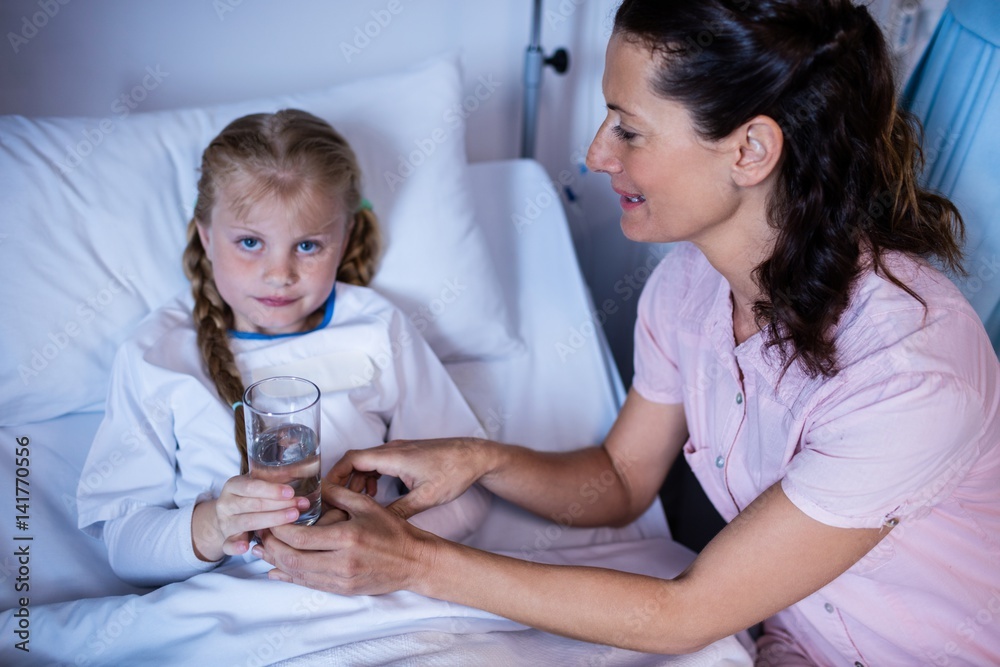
[76,57]
[91,51]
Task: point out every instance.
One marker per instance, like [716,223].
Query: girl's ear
[760,144]
[206,239]
[348,230]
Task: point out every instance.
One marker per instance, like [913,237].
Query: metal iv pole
[534,62]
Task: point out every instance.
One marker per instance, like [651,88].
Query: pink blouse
[906,434]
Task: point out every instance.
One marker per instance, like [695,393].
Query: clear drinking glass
[282,422]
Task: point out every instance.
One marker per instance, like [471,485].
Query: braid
[361,254]
[211,315]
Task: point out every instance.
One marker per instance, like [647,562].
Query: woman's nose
[600,156]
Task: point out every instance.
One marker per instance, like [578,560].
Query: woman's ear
[760,142]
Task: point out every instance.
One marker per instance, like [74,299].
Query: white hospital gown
[166,441]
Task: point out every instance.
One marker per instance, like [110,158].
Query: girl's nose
[280,272]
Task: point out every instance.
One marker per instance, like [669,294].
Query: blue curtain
[954,91]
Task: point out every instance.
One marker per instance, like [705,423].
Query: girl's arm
[769,557]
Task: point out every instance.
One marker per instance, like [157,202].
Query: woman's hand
[374,551]
[222,526]
[435,471]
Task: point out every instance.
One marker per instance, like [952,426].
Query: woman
[833,392]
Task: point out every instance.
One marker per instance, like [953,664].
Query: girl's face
[673,185]
[275,264]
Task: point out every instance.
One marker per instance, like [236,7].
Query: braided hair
[847,188]
[278,152]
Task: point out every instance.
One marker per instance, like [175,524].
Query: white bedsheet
[547,397]
[236,616]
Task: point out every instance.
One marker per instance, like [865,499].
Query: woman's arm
[769,557]
[611,484]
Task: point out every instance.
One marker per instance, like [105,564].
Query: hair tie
[365,205]
[237,405]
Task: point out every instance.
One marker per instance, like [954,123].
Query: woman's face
[274,263]
[673,185]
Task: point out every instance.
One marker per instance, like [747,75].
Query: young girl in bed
[279,250]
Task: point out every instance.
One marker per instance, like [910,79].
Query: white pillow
[93,214]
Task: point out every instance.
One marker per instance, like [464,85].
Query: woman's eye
[622,134]
[249,243]
[308,246]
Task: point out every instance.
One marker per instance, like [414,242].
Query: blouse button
[858,664]
[739,398]
[828,607]
[719,461]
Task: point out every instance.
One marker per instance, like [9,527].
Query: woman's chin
[643,231]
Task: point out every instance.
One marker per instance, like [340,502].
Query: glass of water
[282,422]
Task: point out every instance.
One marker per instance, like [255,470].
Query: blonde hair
[286,154]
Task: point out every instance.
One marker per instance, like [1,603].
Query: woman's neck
[747,241]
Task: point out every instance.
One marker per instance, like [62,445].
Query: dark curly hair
[847,190]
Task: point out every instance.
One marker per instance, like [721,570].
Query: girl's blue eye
[624,135]
[249,243]
[308,246]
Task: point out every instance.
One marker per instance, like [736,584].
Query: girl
[837,398]
[279,248]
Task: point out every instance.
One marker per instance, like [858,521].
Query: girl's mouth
[274,302]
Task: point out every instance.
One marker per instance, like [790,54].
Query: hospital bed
[518,336]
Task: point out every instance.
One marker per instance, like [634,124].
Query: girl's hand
[435,471]
[222,526]
[373,551]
